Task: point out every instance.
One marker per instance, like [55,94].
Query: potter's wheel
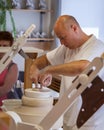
[36,103]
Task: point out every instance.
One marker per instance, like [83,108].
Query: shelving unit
[25,17]
[41,13]
[44,20]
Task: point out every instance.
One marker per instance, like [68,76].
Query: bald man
[76,51]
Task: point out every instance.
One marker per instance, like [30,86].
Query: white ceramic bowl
[38,93]
[37,102]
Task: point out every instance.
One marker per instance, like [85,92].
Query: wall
[89,13]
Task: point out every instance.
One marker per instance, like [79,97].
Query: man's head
[6,39]
[69,32]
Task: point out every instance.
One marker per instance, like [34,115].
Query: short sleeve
[57,55]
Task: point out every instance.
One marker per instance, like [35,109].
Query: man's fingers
[45,80]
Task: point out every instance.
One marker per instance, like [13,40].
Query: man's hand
[40,76]
[45,79]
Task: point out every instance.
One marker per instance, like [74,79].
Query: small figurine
[42,4]
[16,4]
[30,4]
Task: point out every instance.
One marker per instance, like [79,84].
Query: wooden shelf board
[34,10]
[40,39]
[46,46]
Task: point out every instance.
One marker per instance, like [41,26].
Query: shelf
[46,46]
[40,39]
[27,49]
[33,10]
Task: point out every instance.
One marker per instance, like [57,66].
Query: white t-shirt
[88,51]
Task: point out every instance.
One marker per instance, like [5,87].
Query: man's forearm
[41,62]
[68,69]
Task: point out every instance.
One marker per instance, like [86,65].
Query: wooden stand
[28,63]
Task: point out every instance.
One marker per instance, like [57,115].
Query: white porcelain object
[37,102]
[38,93]
[35,115]
[32,115]
[11,104]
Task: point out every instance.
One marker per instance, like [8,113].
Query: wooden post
[28,63]
[27,80]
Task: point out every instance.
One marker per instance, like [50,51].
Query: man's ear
[74,27]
